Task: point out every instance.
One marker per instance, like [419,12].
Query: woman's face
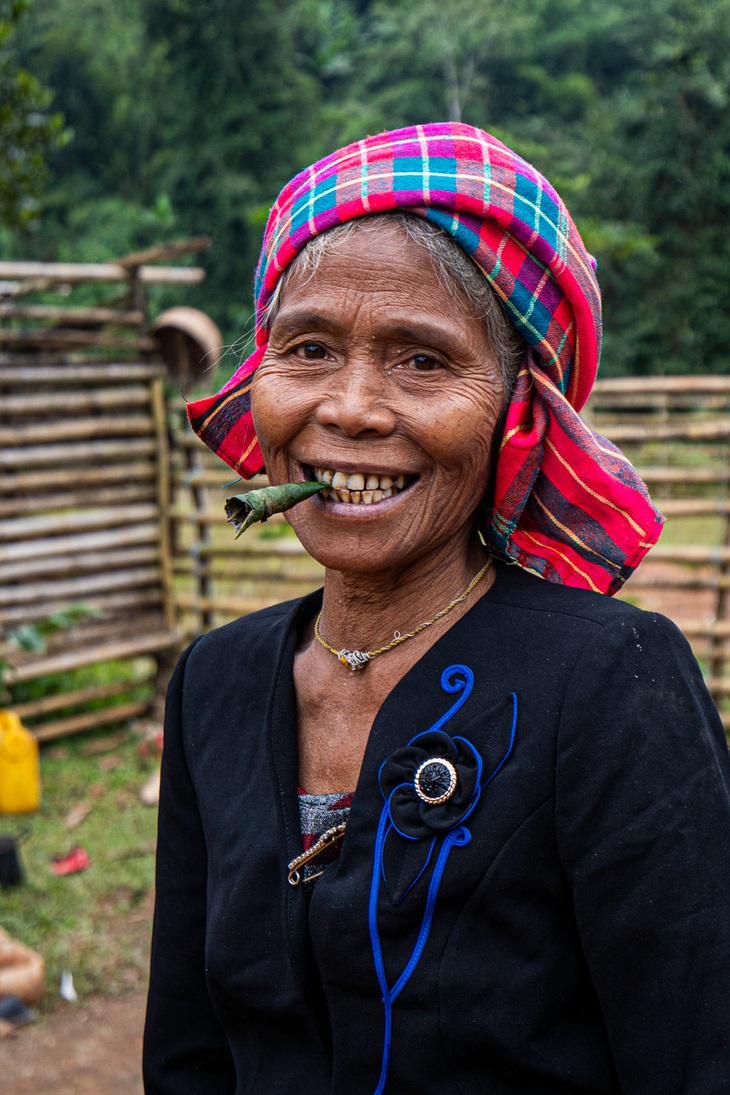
[377,377]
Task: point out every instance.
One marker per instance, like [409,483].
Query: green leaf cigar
[244,510]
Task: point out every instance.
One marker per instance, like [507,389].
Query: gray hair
[458,273]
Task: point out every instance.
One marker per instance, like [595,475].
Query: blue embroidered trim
[461,837]
[451,682]
[456,678]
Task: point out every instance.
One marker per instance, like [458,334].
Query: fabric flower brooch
[431,785]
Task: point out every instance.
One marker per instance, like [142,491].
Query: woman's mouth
[358,489]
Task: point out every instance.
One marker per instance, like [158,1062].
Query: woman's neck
[363,610]
[336,707]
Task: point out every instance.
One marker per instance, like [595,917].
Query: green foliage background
[187,116]
[28,131]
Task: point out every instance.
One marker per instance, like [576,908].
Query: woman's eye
[424,363]
[311,351]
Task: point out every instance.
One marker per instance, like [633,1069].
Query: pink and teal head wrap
[567,503]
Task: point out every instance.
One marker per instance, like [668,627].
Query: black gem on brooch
[435,780]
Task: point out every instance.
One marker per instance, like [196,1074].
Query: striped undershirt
[317,814]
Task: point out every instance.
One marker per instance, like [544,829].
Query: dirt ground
[92,1047]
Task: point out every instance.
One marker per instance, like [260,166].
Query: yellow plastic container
[20,775]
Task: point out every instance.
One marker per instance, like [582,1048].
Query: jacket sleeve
[185,1048]
[643,817]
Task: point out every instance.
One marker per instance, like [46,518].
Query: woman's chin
[351,542]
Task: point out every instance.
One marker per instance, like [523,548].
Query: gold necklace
[358,659]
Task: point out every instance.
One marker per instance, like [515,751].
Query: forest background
[147,120]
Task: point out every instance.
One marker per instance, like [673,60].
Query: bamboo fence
[107,500]
[85,491]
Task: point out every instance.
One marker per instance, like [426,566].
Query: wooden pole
[61,337]
[75,659]
[633,385]
[165,251]
[54,375]
[85,562]
[80,588]
[76,402]
[204,584]
[718,658]
[105,517]
[75,724]
[716,430]
[108,474]
[75,273]
[92,317]
[159,414]
[71,429]
[83,453]
[126,602]
[127,492]
[48,704]
[146,533]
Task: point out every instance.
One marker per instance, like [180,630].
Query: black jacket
[580,942]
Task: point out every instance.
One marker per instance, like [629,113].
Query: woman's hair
[459,275]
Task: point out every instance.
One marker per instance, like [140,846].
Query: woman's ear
[486,505]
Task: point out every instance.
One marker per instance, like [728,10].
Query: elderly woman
[452,824]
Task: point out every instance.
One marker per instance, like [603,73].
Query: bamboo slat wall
[84,493]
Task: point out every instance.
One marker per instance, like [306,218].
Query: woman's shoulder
[561,626]
[611,657]
[520,590]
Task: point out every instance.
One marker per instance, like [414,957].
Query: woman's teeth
[358,489]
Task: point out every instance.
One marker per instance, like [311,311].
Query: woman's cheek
[280,407]
[267,391]
[465,434]
[259,415]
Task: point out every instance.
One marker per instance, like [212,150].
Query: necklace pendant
[354,659]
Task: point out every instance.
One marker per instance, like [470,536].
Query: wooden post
[159,412]
[204,585]
[718,658]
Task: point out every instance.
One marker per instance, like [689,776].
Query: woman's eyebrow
[430,333]
[294,320]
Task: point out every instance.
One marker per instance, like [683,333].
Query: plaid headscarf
[567,503]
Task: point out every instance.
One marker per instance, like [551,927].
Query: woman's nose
[355,402]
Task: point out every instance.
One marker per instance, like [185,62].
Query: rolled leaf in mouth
[244,510]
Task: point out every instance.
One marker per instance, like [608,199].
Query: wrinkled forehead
[432,252]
